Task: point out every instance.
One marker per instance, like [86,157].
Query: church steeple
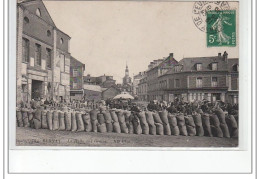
[126,70]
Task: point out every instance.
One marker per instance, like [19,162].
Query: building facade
[76,79]
[155,69]
[198,78]
[43,56]
[142,88]
[110,93]
[136,81]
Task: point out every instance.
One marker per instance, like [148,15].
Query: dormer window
[214,66]
[198,66]
[26,20]
[177,68]
[61,40]
[38,12]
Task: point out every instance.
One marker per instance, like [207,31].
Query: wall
[110,93]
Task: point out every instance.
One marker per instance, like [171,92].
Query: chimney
[225,56]
[171,55]
[219,54]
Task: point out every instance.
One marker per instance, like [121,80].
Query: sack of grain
[164,116]
[175,130]
[100,118]
[30,115]
[116,127]
[232,125]
[94,125]
[93,114]
[167,129]
[107,116]
[61,121]
[80,124]
[122,123]
[67,120]
[19,117]
[149,118]
[37,118]
[137,125]
[206,125]
[216,131]
[183,130]
[55,120]
[198,122]
[130,125]
[101,127]
[225,130]
[87,122]
[49,119]
[159,128]
[156,118]
[190,125]
[180,119]
[114,116]
[73,121]
[221,115]
[172,119]
[143,122]
[25,117]
[44,120]
[214,120]
[237,118]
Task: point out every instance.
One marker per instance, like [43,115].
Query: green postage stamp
[221,28]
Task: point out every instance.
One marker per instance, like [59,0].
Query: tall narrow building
[127,79]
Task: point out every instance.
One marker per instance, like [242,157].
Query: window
[38,55]
[214,82]
[25,51]
[198,66]
[61,40]
[75,85]
[48,57]
[38,12]
[75,72]
[62,62]
[177,68]
[26,20]
[235,67]
[214,66]
[177,83]
[199,82]
[48,33]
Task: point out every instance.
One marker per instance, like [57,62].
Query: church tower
[127,78]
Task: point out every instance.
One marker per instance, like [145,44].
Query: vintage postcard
[127,73]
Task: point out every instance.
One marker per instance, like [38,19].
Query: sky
[105,35]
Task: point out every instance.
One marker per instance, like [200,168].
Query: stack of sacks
[191,128]
[215,126]
[173,124]
[93,117]
[108,120]
[67,120]
[150,121]
[158,123]
[121,120]
[164,118]
[87,122]
[206,124]
[116,126]
[101,123]
[223,125]
[198,122]
[232,125]
[143,122]
[181,124]
[137,125]
[127,115]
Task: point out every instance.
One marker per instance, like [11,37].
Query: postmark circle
[201,7]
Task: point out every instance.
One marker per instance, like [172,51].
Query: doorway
[37,89]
